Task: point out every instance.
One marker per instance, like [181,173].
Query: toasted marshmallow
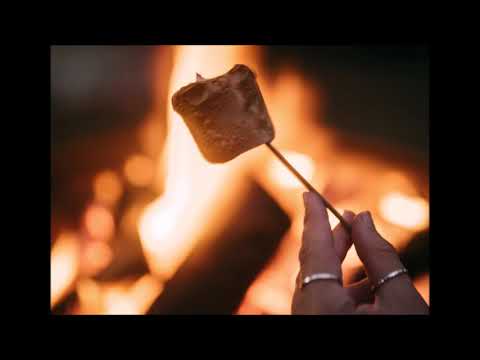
[226,115]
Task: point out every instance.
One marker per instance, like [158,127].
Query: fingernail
[363,216]
[367,219]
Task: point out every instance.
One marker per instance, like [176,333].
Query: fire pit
[166,232]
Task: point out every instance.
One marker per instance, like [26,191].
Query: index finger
[317,253]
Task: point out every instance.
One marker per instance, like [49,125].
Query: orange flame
[284,177]
[99,222]
[107,187]
[118,298]
[405,211]
[63,266]
[197,196]
[352,175]
[169,226]
[139,170]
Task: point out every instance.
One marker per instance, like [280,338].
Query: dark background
[379,91]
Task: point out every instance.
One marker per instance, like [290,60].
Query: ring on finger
[389,276]
[319,276]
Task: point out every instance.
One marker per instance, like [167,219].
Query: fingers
[341,238]
[380,258]
[391,301]
[361,292]
[317,253]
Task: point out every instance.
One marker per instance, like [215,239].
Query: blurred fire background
[141,223]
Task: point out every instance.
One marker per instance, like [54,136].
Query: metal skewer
[329,206]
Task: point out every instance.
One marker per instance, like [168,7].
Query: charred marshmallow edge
[226,115]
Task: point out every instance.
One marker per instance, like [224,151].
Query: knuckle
[346,306]
[385,247]
[303,256]
[366,309]
[380,245]
[330,304]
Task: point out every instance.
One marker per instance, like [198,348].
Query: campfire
[243,219]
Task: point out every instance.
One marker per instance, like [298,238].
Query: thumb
[378,255]
[380,258]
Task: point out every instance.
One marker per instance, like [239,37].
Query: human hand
[324,250]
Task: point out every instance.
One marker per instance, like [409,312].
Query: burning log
[127,254]
[229,264]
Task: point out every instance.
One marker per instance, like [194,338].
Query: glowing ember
[107,187]
[89,297]
[139,170]
[99,222]
[118,298]
[119,303]
[266,299]
[63,266]
[405,211]
[96,256]
[144,292]
[284,177]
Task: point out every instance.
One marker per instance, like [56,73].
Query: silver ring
[388,277]
[320,276]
